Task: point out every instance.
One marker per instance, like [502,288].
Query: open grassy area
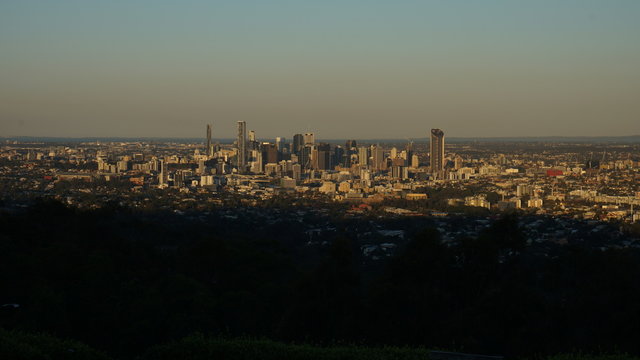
[199,347]
[17,345]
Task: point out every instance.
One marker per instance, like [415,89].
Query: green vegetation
[199,347]
[579,356]
[18,345]
[123,282]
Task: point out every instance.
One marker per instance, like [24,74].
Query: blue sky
[342,69]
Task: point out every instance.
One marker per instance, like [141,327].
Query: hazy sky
[339,68]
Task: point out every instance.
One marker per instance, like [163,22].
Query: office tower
[309,139]
[322,157]
[457,163]
[269,153]
[202,168]
[279,143]
[394,153]
[339,157]
[399,172]
[415,161]
[306,156]
[377,156]
[178,178]
[296,171]
[242,146]
[398,161]
[252,144]
[437,152]
[314,158]
[162,176]
[209,153]
[284,147]
[409,150]
[363,156]
[350,148]
[298,143]
[255,161]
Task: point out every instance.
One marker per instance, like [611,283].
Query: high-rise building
[350,149]
[322,158]
[306,156]
[202,168]
[296,170]
[363,156]
[298,143]
[242,146]
[339,157]
[162,173]
[409,151]
[252,144]
[393,153]
[437,152]
[209,153]
[415,161]
[309,139]
[377,157]
[255,161]
[269,153]
[457,163]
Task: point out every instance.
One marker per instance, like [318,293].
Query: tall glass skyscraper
[437,152]
[242,147]
[209,152]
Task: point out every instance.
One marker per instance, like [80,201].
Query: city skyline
[369,70]
[366,179]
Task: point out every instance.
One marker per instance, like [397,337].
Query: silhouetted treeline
[121,282]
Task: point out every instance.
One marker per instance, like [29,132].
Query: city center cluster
[580,180]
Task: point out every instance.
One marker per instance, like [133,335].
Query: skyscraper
[162,176]
[252,144]
[255,161]
[269,153]
[363,156]
[339,157]
[309,139]
[437,152]
[306,156]
[298,143]
[322,157]
[209,140]
[242,146]
[377,158]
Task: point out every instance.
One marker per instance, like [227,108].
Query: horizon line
[464,138]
